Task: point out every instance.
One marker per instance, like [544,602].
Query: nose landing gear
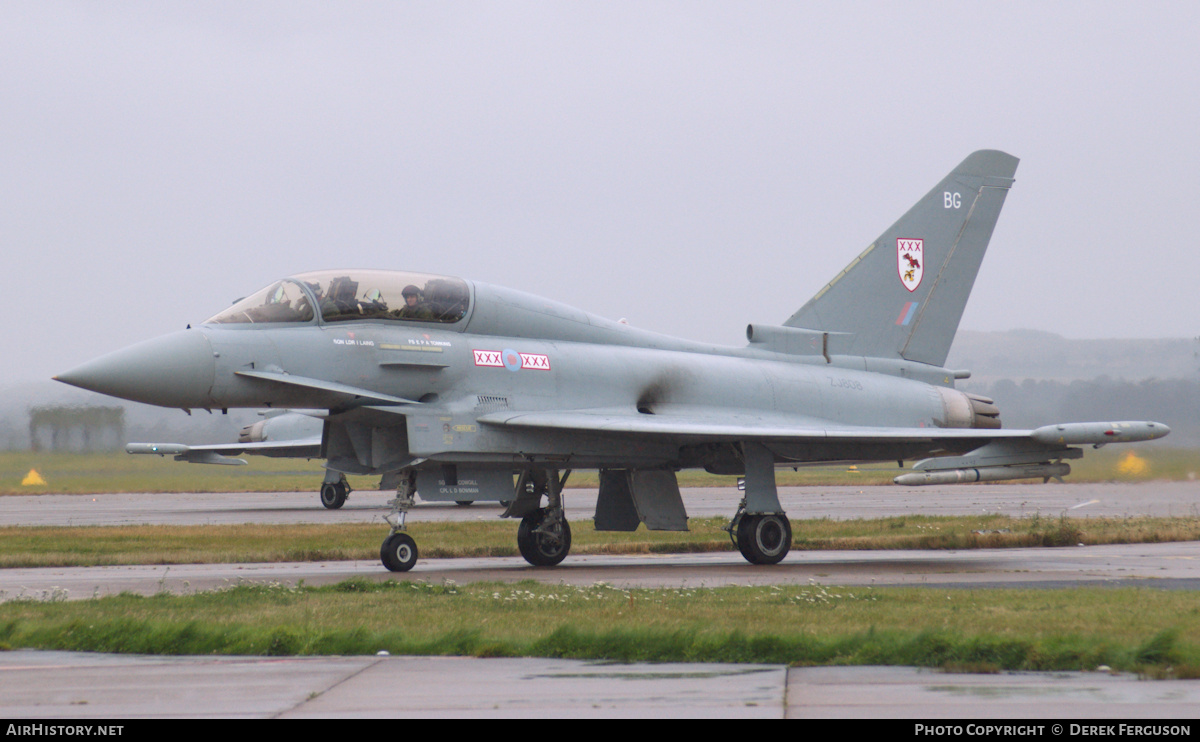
[399,551]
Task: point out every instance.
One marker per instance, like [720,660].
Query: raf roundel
[512,360]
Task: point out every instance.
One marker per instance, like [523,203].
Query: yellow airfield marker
[1132,464]
[33,479]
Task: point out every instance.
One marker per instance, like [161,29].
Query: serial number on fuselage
[845,384]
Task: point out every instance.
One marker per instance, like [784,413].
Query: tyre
[333,495]
[399,552]
[764,539]
[543,548]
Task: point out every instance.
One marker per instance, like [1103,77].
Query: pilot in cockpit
[414,306]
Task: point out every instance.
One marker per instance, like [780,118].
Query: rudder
[904,295]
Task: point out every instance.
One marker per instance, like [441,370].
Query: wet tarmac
[73,685]
[1053,499]
[1167,566]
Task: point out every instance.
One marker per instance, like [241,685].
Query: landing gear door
[630,497]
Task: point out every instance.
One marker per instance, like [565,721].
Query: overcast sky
[691,166]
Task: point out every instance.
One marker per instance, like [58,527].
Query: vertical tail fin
[904,295]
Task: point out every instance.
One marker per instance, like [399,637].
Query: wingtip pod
[183,453]
[1100,433]
[162,449]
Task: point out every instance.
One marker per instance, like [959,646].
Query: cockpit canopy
[342,296]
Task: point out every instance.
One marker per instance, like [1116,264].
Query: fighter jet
[439,381]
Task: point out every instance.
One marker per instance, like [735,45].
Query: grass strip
[84,546]
[1153,632]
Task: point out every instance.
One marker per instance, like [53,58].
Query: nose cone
[171,371]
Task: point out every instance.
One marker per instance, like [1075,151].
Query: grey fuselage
[517,353]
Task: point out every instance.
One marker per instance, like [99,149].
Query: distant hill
[1038,378]
[1033,354]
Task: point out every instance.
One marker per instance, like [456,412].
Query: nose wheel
[399,552]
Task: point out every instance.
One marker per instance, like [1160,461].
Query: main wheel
[399,552]
[544,548]
[764,539]
[333,495]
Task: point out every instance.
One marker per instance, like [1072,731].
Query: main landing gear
[334,490]
[762,538]
[760,529]
[544,536]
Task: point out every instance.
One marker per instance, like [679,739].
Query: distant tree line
[76,428]
[1031,402]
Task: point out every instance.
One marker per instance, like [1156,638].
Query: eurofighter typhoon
[442,384]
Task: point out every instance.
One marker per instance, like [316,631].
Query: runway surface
[1169,566]
[1072,500]
[62,685]
[71,685]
